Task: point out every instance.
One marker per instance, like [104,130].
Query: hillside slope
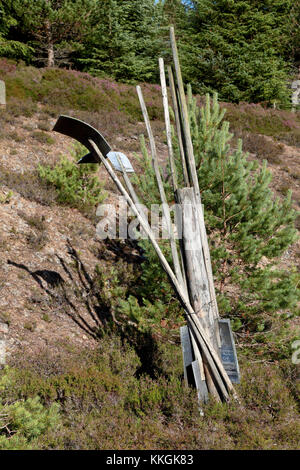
[50,285]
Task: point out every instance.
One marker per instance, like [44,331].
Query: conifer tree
[10,47]
[51,25]
[249,228]
[238,48]
[126,42]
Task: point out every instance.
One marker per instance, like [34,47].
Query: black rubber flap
[82,132]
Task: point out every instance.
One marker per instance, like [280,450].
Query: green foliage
[42,137]
[5,198]
[238,48]
[10,47]
[244,50]
[76,185]
[23,421]
[54,28]
[245,222]
[126,42]
[151,317]
[146,181]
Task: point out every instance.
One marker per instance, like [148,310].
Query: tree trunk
[50,46]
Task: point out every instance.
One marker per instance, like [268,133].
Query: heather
[102,401]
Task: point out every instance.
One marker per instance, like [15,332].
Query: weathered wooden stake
[168,123]
[2,94]
[165,205]
[185,117]
[194,177]
[178,126]
[194,262]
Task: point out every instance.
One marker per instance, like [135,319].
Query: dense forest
[246,50]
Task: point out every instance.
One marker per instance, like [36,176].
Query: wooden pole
[168,123]
[131,190]
[197,281]
[3,336]
[165,205]
[185,117]
[178,126]
[170,146]
[207,260]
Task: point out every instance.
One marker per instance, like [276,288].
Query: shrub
[42,137]
[23,421]
[29,185]
[76,185]
[5,198]
[264,148]
[106,404]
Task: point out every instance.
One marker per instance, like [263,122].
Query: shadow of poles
[87,293]
[52,283]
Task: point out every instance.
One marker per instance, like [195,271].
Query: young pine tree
[248,227]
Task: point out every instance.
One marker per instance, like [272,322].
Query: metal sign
[113,158]
[228,351]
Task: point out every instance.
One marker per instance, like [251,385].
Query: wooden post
[194,261]
[165,205]
[3,333]
[194,178]
[178,126]
[2,94]
[196,274]
[185,117]
[170,146]
[168,123]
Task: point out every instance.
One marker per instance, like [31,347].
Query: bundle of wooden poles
[191,276]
